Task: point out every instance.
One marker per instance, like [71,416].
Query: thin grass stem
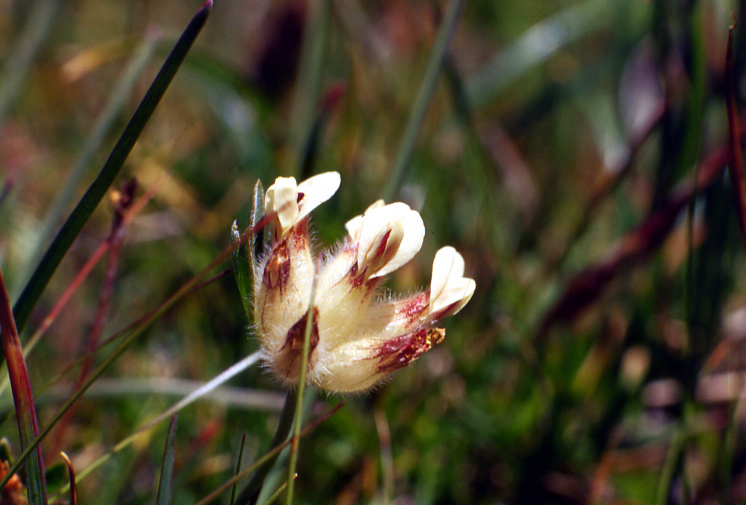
[90,200]
[234,489]
[269,457]
[95,139]
[310,325]
[425,93]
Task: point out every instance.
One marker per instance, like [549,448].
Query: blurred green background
[601,358]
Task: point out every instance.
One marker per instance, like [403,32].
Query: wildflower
[357,337]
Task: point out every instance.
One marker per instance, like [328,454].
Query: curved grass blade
[535,46]
[70,230]
[238,468]
[95,139]
[167,468]
[23,399]
[417,116]
[73,484]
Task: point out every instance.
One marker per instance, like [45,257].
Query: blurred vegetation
[574,152]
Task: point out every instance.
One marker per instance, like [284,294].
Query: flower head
[357,337]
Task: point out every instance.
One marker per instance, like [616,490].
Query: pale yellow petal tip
[293,202]
[449,289]
[316,190]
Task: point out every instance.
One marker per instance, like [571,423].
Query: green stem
[310,323]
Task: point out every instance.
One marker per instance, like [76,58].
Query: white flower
[388,236]
[357,338]
[293,202]
[449,289]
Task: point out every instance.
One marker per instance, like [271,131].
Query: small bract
[357,337]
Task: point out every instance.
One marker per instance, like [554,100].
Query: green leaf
[167,468]
[242,269]
[256,242]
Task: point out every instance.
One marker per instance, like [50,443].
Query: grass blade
[167,469]
[250,493]
[73,483]
[417,116]
[238,468]
[242,269]
[737,170]
[23,399]
[95,139]
[70,230]
[537,45]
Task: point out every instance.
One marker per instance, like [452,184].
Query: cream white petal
[455,295]
[448,266]
[378,222]
[448,285]
[414,234]
[354,225]
[382,249]
[316,190]
[282,197]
